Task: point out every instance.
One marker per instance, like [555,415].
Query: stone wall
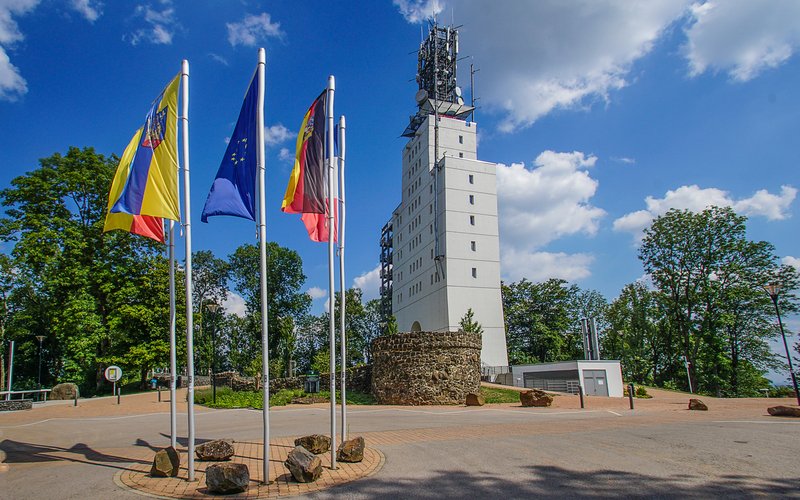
[16,404]
[426,368]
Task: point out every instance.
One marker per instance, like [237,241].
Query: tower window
[461,139]
[472,199]
[472,220]
[471,179]
[474,272]
[460,155]
[472,245]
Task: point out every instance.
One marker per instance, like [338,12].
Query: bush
[228,398]
[492,395]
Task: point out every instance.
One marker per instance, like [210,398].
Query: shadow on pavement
[551,481]
[29,453]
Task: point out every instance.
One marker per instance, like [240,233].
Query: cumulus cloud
[370,283]
[234,304]
[316,292]
[277,134]
[285,155]
[252,29]
[540,266]
[761,204]
[791,261]
[541,56]
[91,10]
[159,25]
[12,84]
[741,37]
[541,204]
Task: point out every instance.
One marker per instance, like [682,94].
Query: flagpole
[173,413]
[342,294]
[262,241]
[331,281]
[187,225]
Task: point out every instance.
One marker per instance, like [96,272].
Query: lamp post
[212,308]
[40,338]
[774,289]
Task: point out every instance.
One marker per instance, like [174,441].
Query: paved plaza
[660,449]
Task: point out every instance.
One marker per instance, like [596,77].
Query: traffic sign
[113,373]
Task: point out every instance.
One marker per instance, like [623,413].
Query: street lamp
[212,308]
[40,338]
[774,289]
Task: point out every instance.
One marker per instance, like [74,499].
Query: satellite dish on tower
[458,91]
[422,96]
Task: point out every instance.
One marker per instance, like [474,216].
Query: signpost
[114,373]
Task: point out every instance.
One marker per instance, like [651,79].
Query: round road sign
[113,373]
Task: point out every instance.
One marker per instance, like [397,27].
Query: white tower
[440,251]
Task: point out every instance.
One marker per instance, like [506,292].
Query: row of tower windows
[415,265]
[413,205]
[415,288]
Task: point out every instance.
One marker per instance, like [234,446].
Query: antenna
[472,72]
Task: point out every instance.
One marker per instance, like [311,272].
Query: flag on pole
[234,189]
[150,186]
[306,193]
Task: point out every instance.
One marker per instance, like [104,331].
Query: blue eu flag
[234,188]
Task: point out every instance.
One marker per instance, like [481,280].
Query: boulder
[351,451]
[304,465]
[166,463]
[535,397]
[475,399]
[227,478]
[64,391]
[784,411]
[315,443]
[696,404]
[218,450]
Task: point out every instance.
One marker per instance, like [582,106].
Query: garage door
[594,382]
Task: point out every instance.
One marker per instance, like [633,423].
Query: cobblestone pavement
[660,449]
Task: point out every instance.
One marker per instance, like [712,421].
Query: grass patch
[228,398]
[492,395]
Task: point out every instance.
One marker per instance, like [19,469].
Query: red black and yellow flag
[307,190]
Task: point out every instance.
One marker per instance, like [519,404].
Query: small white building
[597,377]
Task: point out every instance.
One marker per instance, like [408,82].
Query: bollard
[76,399]
[158,388]
[580,393]
[119,393]
[630,394]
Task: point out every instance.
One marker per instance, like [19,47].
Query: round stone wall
[426,368]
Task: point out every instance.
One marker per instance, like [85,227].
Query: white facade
[430,294]
[580,371]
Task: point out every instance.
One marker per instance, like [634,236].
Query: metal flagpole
[262,241]
[331,285]
[187,225]
[173,413]
[342,294]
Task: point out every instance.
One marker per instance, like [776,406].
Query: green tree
[73,281]
[468,323]
[284,280]
[708,274]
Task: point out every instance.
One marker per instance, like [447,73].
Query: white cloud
[542,204]
[791,261]
[277,134]
[624,159]
[742,37]
[12,84]
[285,155]
[316,292]
[234,304]
[416,11]
[540,266]
[537,57]
[251,29]
[91,10]
[370,283]
[539,205]
[218,58]
[761,204]
[159,23]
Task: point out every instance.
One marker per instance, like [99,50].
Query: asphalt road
[447,452]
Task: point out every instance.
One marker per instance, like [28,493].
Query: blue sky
[602,114]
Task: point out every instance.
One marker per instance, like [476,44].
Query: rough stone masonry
[426,368]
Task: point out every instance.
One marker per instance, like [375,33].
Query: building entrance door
[594,382]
